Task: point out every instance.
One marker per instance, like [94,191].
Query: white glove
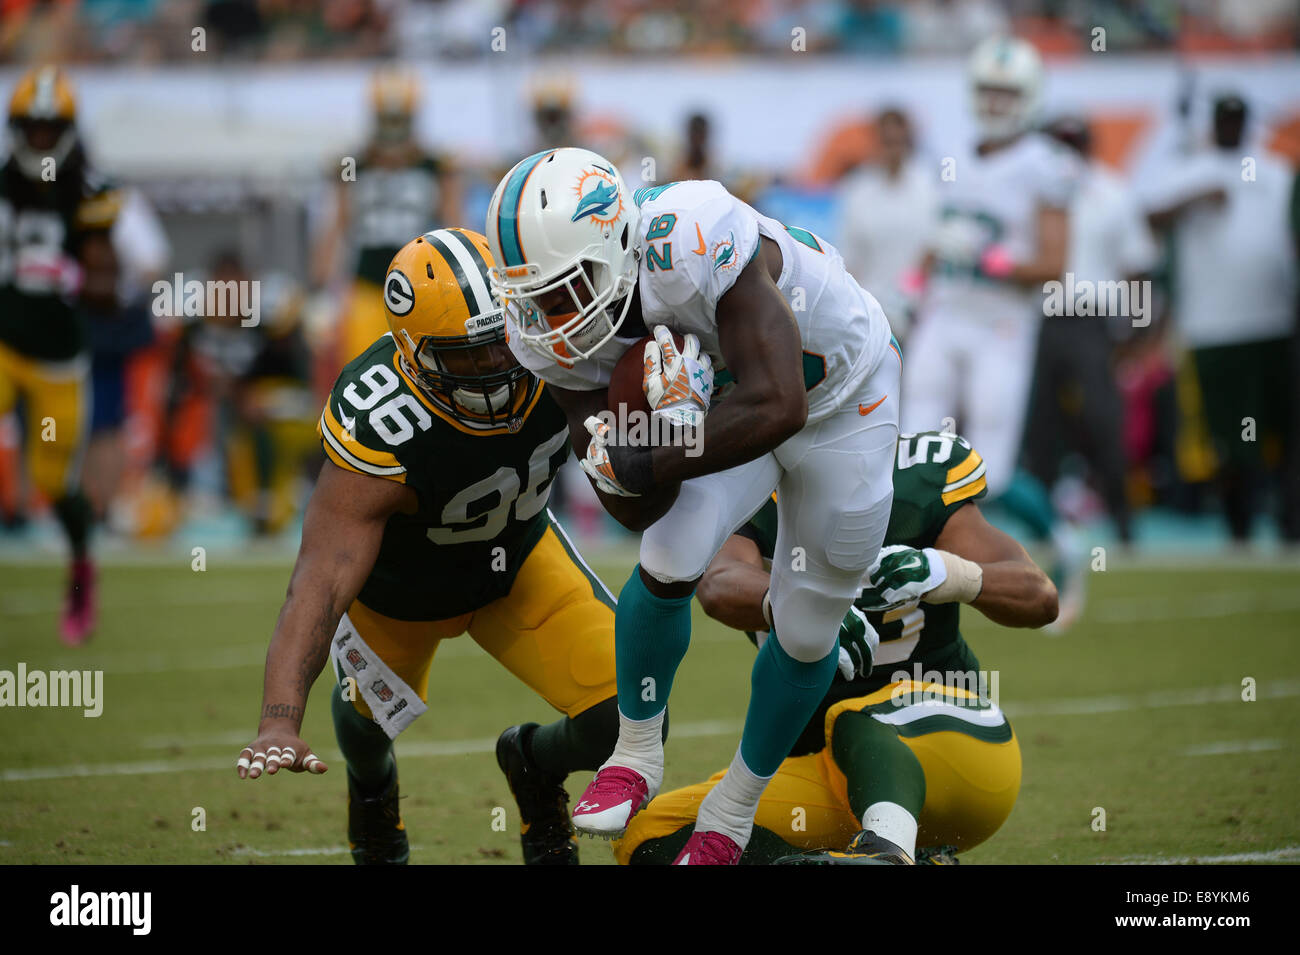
[959,240]
[678,386]
[597,463]
[902,574]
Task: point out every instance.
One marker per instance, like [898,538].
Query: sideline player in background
[54,212]
[1234,307]
[399,191]
[912,755]
[429,520]
[1003,231]
[585,268]
[1077,404]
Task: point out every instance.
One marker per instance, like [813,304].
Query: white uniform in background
[834,478]
[1236,275]
[970,357]
[885,225]
[1109,236]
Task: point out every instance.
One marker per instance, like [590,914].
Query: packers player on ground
[893,761]
[53,209]
[430,521]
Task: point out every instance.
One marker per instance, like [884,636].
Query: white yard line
[1286,854]
[1192,607]
[1232,747]
[1077,706]
[1154,700]
[272,853]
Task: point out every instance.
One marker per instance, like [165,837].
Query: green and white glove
[858,643]
[900,575]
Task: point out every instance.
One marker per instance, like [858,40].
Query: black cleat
[546,831]
[937,855]
[867,848]
[376,833]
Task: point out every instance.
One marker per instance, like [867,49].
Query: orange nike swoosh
[701,250]
[865,410]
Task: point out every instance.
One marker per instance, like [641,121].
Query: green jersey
[390,206]
[482,493]
[935,474]
[42,227]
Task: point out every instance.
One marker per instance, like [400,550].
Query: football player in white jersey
[585,268]
[1003,231]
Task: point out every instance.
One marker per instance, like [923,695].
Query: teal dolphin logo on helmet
[596,202]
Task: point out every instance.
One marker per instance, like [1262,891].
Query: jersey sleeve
[696,240]
[1056,174]
[936,474]
[347,435]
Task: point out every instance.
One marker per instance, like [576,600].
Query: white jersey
[991,201]
[1235,274]
[694,239]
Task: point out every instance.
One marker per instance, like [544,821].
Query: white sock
[730,806]
[641,747]
[891,821]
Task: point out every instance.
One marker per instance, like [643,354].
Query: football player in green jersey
[395,189]
[906,753]
[55,215]
[430,521]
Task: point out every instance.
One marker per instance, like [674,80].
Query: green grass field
[1138,710]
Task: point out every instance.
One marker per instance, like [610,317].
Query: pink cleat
[610,801]
[78,619]
[709,848]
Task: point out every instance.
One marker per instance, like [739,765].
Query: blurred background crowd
[199,421]
[144,31]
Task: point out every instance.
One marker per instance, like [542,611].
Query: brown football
[625,382]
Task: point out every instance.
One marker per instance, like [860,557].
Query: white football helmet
[1006,76]
[563,221]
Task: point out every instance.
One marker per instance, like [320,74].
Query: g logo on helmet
[399,296]
[599,200]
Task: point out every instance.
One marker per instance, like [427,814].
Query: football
[625,381]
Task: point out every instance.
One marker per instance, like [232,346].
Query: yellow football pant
[551,631]
[970,783]
[56,401]
[364,320]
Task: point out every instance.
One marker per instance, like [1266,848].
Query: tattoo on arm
[278,710]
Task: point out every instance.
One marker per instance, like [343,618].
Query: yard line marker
[1286,854]
[1232,747]
[1222,604]
[1078,706]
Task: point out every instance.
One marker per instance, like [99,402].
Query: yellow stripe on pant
[551,631]
[971,784]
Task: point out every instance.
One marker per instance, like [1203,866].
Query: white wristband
[964,583]
[767,608]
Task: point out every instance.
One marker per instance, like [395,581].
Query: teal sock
[651,635]
[783,696]
[878,765]
[1027,500]
[366,748]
